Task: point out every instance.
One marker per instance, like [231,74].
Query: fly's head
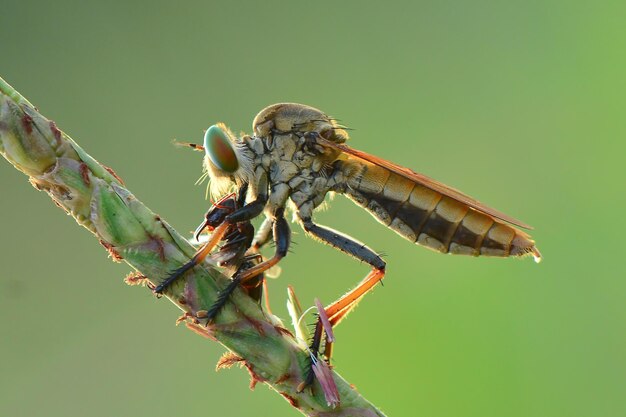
[226,161]
[298,119]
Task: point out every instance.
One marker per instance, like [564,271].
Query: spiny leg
[282,238]
[213,218]
[254,286]
[245,213]
[198,258]
[340,308]
[263,235]
[337,311]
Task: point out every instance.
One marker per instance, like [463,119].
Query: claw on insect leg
[200,229]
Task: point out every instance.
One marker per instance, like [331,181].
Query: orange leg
[282,237]
[340,308]
[198,258]
[260,268]
[240,278]
[337,311]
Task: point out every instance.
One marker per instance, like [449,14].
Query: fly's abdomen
[433,220]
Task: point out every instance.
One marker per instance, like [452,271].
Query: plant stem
[131,232]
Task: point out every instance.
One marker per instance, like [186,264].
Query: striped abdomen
[431,219]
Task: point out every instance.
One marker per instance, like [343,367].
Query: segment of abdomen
[433,220]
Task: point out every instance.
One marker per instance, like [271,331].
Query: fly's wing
[428,183]
[428,212]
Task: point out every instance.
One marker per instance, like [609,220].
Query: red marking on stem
[183,317]
[160,247]
[283,331]
[110,171]
[254,377]
[201,330]
[227,360]
[135,278]
[27,122]
[56,132]
[294,403]
[112,252]
[84,173]
[256,324]
[282,379]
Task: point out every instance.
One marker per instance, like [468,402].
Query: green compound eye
[220,150]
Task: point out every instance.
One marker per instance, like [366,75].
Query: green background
[520,104]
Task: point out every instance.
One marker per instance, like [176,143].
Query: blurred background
[520,104]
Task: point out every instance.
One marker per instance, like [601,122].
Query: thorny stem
[99,201]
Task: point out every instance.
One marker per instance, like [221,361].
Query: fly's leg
[252,209]
[340,308]
[245,213]
[197,259]
[255,287]
[282,238]
[264,234]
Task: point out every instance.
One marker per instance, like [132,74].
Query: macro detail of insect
[233,254]
[295,156]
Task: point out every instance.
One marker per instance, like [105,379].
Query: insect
[296,155]
[234,253]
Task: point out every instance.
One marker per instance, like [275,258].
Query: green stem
[98,200]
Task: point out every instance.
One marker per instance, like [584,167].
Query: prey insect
[297,155]
[234,254]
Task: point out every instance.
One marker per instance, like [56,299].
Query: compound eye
[220,150]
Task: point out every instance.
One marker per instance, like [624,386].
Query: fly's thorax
[297,118]
[310,192]
[283,147]
[286,156]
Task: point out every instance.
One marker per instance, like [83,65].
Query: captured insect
[297,155]
[234,252]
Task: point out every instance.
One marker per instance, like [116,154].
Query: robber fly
[297,154]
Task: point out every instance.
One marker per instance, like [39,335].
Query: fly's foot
[221,300]
[173,276]
[160,289]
